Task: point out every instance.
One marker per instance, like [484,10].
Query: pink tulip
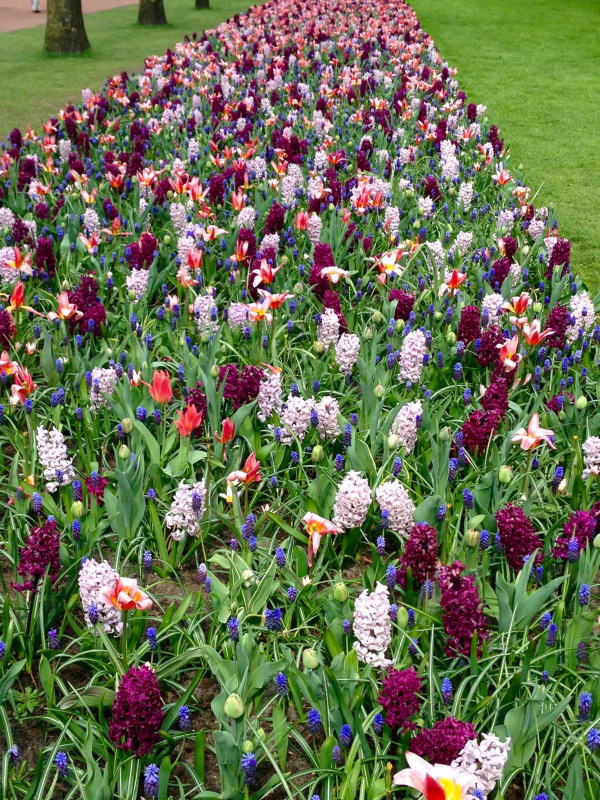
[534,435]
[434,781]
[125,595]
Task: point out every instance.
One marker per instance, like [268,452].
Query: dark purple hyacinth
[405,303]
[137,712]
[41,552]
[399,698]
[442,743]
[519,537]
[578,532]
[85,297]
[477,430]
[558,322]
[469,327]
[462,611]
[420,554]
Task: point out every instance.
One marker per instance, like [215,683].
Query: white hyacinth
[328,409]
[413,349]
[405,426]
[103,381]
[137,282]
[465,195]
[53,456]
[187,510]
[94,576]
[393,498]
[582,314]
[8,274]
[314,227]
[295,419]
[269,395]
[352,501]
[591,457]
[237,314]
[346,351]
[372,626]
[328,330]
[91,220]
[203,306]
[492,303]
[486,761]
[178,214]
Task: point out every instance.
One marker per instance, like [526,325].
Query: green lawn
[536,65]
[34,85]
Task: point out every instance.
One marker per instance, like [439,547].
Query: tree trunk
[65,31]
[152,12]
[202,4]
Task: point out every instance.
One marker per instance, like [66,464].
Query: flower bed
[300,434]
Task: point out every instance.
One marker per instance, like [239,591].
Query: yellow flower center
[453,790]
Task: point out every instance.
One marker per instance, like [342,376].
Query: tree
[152,12]
[65,31]
[202,4]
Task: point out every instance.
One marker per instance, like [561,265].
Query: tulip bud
[368,335]
[124,452]
[260,733]
[340,592]
[562,486]
[247,747]
[234,708]
[283,260]
[65,286]
[317,454]
[126,425]
[131,295]
[298,287]
[400,325]
[77,509]
[214,371]
[310,659]
[505,474]
[451,337]
[581,403]
[318,347]
[537,307]
[445,434]
[377,317]
[402,618]
[438,315]
[561,415]
[417,224]
[205,337]
[166,239]
[17,346]
[379,391]
[392,441]
[472,537]
[597,542]
[409,192]
[451,190]
[248,578]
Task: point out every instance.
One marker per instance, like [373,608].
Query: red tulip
[188,421]
[161,387]
[249,473]
[228,432]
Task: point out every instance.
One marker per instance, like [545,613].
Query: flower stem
[124,639]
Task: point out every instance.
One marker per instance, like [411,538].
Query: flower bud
[318,347]
[283,260]
[310,659]
[451,337]
[261,735]
[126,425]
[368,335]
[131,295]
[562,486]
[400,325]
[377,317]
[340,592]
[214,371]
[505,474]
[65,286]
[234,708]
[379,390]
[298,287]
[472,537]
[597,542]
[402,618]
[317,454]
[124,452]
[451,190]
[537,307]
[561,415]
[417,224]
[526,250]
[445,434]
[248,578]
[77,509]
[392,441]
[247,747]
[581,403]
[205,337]
[438,315]
[166,239]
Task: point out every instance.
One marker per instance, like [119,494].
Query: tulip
[126,425]
[310,659]
[340,592]
[534,435]
[66,309]
[125,594]
[317,527]
[234,706]
[434,781]
[188,421]
[22,387]
[249,473]
[508,354]
[160,391]
[228,432]
[532,333]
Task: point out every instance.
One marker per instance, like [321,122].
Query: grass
[536,65]
[36,85]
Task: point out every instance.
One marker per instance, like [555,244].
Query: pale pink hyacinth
[372,626]
[406,424]
[591,457]
[352,501]
[93,575]
[137,282]
[269,395]
[295,418]
[328,409]
[434,781]
[393,498]
[583,315]
[203,306]
[187,510]
[8,274]
[237,314]
[104,381]
[54,458]
[485,761]
[346,351]
[329,329]
[413,349]
[314,227]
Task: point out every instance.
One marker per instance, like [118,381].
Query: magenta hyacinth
[580,528]
[442,743]
[517,534]
[462,611]
[420,555]
[399,698]
[41,552]
[137,713]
